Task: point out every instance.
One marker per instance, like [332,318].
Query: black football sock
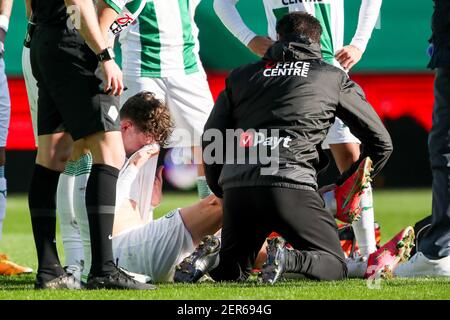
[100,206]
[42,204]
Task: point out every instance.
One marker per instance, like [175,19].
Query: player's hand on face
[157,187]
[113,77]
[259,45]
[142,156]
[348,56]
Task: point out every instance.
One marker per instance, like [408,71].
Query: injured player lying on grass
[153,248]
[141,244]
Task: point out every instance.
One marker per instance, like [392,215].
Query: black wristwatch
[105,55]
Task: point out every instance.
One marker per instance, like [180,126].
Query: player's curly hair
[150,115]
[299,24]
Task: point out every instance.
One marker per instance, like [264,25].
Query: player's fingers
[259,53]
[120,80]
[160,172]
[340,54]
[107,83]
[342,57]
[351,64]
[119,86]
[113,86]
[346,62]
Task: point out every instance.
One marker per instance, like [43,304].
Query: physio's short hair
[150,115]
[299,24]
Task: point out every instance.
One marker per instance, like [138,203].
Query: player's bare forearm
[88,23]
[5,7]
[84,16]
[106,17]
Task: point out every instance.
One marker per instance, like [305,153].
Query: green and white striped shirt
[162,41]
[330,13]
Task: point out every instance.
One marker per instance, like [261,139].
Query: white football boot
[421,266]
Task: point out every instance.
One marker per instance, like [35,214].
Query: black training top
[49,12]
[283,106]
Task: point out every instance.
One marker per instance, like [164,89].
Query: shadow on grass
[16,282]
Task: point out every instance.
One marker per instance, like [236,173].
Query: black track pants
[252,213]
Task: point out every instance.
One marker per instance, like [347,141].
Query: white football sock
[356,267]
[84,165]
[365,228]
[3,193]
[70,233]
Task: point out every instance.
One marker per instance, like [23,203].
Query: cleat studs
[400,244]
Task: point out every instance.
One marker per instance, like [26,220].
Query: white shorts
[32,89]
[339,133]
[188,98]
[5,105]
[155,248]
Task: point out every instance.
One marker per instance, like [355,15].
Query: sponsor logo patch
[170,214]
[113,113]
[294,68]
[121,23]
[252,139]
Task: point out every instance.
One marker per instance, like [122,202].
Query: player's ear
[125,124]
[122,125]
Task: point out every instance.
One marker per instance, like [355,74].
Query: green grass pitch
[394,209]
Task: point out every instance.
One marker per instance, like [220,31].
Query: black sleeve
[354,110]
[214,149]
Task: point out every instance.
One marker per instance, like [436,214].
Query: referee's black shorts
[71,96]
